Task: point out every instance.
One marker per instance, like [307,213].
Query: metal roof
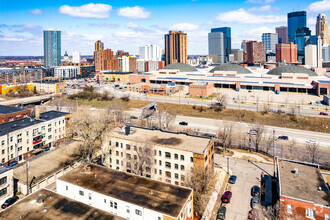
[231,67]
[180,66]
[291,69]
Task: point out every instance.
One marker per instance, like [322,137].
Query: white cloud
[87,11]
[185,27]
[319,6]
[261,9]
[36,12]
[131,25]
[134,12]
[260,1]
[242,16]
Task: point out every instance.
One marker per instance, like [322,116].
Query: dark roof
[58,207]
[151,194]
[291,69]
[180,66]
[4,168]
[303,185]
[231,67]
[27,122]
[5,110]
[48,81]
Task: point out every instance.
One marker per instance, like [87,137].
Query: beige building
[50,86]
[6,182]
[29,136]
[322,28]
[173,154]
[175,47]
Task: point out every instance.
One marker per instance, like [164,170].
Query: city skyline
[130,25]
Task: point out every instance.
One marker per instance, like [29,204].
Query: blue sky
[129,24]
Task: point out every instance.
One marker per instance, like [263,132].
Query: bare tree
[116,110]
[257,135]
[164,119]
[269,142]
[143,159]
[126,97]
[220,103]
[226,136]
[90,128]
[313,154]
[266,108]
[291,149]
[273,212]
[62,104]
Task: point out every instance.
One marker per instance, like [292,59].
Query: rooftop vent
[295,171]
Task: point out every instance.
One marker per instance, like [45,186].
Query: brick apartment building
[255,52]
[204,89]
[9,113]
[303,191]
[286,53]
[20,76]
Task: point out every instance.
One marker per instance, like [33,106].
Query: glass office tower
[52,48]
[302,39]
[227,39]
[295,20]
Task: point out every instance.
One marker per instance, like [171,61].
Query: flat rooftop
[58,207]
[177,140]
[27,122]
[303,185]
[5,110]
[151,194]
[4,168]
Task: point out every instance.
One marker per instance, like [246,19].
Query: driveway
[248,175]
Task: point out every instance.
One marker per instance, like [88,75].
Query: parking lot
[248,175]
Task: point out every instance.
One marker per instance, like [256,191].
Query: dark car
[226,197]
[9,202]
[323,113]
[254,201]
[221,213]
[183,123]
[283,137]
[232,179]
[252,215]
[255,191]
[133,117]
[280,111]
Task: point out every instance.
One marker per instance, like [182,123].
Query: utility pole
[27,177]
[274,150]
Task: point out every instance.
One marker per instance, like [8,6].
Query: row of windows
[3,180]
[310,213]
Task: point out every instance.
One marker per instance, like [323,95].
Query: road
[248,175]
[207,124]
[27,100]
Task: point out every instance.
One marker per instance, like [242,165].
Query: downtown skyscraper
[220,44]
[322,28]
[175,47]
[296,20]
[52,47]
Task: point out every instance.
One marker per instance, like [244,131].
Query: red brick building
[255,52]
[286,53]
[9,113]
[201,89]
[303,191]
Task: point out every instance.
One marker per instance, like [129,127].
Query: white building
[66,72]
[21,138]
[126,195]
[76,57]
[150,53]
[326,53]
[6,182]
[123,64]
[313,54]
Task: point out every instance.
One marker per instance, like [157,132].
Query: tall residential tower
[52,47]
[322,28]
[175,47]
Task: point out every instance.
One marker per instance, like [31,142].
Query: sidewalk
[213,199]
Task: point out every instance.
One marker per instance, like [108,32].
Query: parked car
[255,190]
[155,127]
[252,215]
[283,137]
[311,141]
[254,201]
[232,179]
[9,202]
[253,132]
[226,197]
[324,113]
[183,123]
[133,117]
[272,110]
[221,213]
[280,111]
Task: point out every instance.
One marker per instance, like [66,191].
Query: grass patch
[211,97]
[102,104]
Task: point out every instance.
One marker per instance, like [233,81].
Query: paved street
[248,175]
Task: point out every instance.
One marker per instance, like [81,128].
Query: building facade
[296,20]
[76,58]
[6,182]
[255,52]
[326,53]
[238,55]
[150,53]
[175,47]
[66,72]
[282,33]
[286,53]
[226,40]
[52,48]
[9,113]
[49,86]
[322,28]
[302,39]
[217,47]
[270,40]
[201,89]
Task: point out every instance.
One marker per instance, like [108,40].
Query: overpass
[28,100]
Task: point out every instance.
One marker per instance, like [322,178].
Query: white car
[311,142]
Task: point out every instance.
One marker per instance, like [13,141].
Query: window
[27,149]
[11,139]
[289,208]
[117,153]
[121,154]
[127,209]
[3,151]
[160,172]
[176,156]
[3,191]
[117,144]
[176,166]
[155,152]
[160,163]
[12,156]
[66,188]
[105,201]
[168,155]
[138,212]
[121,145]
[128,156]
[49,129]
[168,174]
[115,205]
[160,153]
[135,157]
[49,137]
[182,157]
[128,147]
[3,180]
[135,148]
[191,159]
[117,162]
[206,158]
[155,171]
[182,177]
[159,218]
[168,165]
[89,196]
[109,143]
[19,149]
[327,217]
[176,183]
[310,213]
[81,193]
[27,141]
[176,176]
[182,167]
[111,204]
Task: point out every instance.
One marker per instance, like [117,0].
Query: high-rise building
[216,47]
[76,57]
[175,47]
[238,55]
[313,54]
[243,45]
[99,46]
[286,53]
[270,40]
[296,20]
[52,47]
[322,28]
[121,53]
[255,52]
[282,33]
[99,56]
[326,53]
[226,38]
[302,38]
[150,53]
